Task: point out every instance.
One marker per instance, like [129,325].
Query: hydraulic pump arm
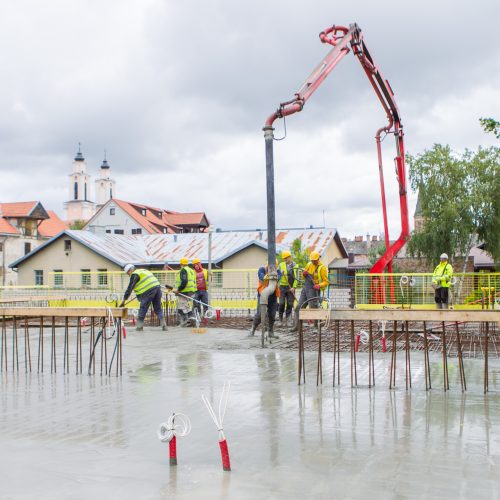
[343,40]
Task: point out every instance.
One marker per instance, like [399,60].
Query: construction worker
[441,281]
[201,294]
[287,284]
[272,302]
[315,281]
[185,284]
[147,290]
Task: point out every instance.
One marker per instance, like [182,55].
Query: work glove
[122,304]
[305,273]
[316,287]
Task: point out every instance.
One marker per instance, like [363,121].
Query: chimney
[374,238]
[343,240]
[358,238]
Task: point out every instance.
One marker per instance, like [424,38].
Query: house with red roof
[24,226]
[128,218]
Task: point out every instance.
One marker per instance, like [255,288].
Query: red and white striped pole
[169,430]
[224,451]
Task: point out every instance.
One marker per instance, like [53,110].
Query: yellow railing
[414,290]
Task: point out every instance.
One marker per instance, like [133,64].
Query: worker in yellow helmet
[147,289]
[201,294]
[185,284]
[287,285]
[315,281]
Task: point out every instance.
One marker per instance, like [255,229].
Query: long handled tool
[210,311]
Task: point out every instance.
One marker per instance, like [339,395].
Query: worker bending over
[441,281]
[315,281]
[287,284]
[147,290]
[185,284]
[201,294]
[272,302]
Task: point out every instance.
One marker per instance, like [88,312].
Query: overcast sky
[177,93]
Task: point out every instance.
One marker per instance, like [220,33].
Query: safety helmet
[128,267]
[444,256]
[314,256]
[196,260]
[184,261]
[286,254]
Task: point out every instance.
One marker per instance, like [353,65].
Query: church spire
[79,155]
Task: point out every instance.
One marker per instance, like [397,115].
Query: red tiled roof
[18,209]
[176,218]
[52,226]
[6,228]
[151,222]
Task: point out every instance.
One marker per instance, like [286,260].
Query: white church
[80,206]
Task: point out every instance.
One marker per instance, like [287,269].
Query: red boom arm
[341,38]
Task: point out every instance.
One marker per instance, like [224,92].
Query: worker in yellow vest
[148,291]
[315,281]
[185,283]
[201,294]
[441,281]
[287,285]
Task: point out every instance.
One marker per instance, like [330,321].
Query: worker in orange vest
[272,302]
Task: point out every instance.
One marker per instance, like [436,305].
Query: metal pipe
[271,221]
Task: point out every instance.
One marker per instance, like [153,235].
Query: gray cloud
[178,92]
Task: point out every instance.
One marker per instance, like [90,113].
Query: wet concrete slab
[68,436]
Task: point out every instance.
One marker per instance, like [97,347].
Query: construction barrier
[233,291]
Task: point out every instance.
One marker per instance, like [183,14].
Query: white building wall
[13,249]
[106,221]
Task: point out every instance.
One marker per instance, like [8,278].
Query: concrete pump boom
[343,40]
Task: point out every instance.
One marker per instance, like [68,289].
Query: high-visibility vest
[201,279]
[316,274]
[442,275]
[264,284]
[284,275]
[147,280]
[191,280]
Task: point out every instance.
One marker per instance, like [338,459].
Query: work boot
[271,334]
[140,325]
[163,324]
[252,332]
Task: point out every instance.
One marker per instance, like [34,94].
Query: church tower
[79,206]
[105,187]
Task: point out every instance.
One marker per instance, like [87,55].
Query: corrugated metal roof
[162,248]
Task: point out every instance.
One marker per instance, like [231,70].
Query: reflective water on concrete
[77,436]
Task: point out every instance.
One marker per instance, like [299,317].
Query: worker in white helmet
[441,281]
[147,289]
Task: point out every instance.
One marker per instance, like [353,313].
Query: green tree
[460,197]
[490,125]
[78,224]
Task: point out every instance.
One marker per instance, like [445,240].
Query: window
[102,277]
[27,248]
[75,190]
[67,245]
[143,212]
[217,280]
[137,231]
[108,231]
[118,231]
[1,247]
[38,277]
[112,211]
[165,230]
[85,277]
[58,277]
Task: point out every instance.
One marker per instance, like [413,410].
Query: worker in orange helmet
[315,281]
